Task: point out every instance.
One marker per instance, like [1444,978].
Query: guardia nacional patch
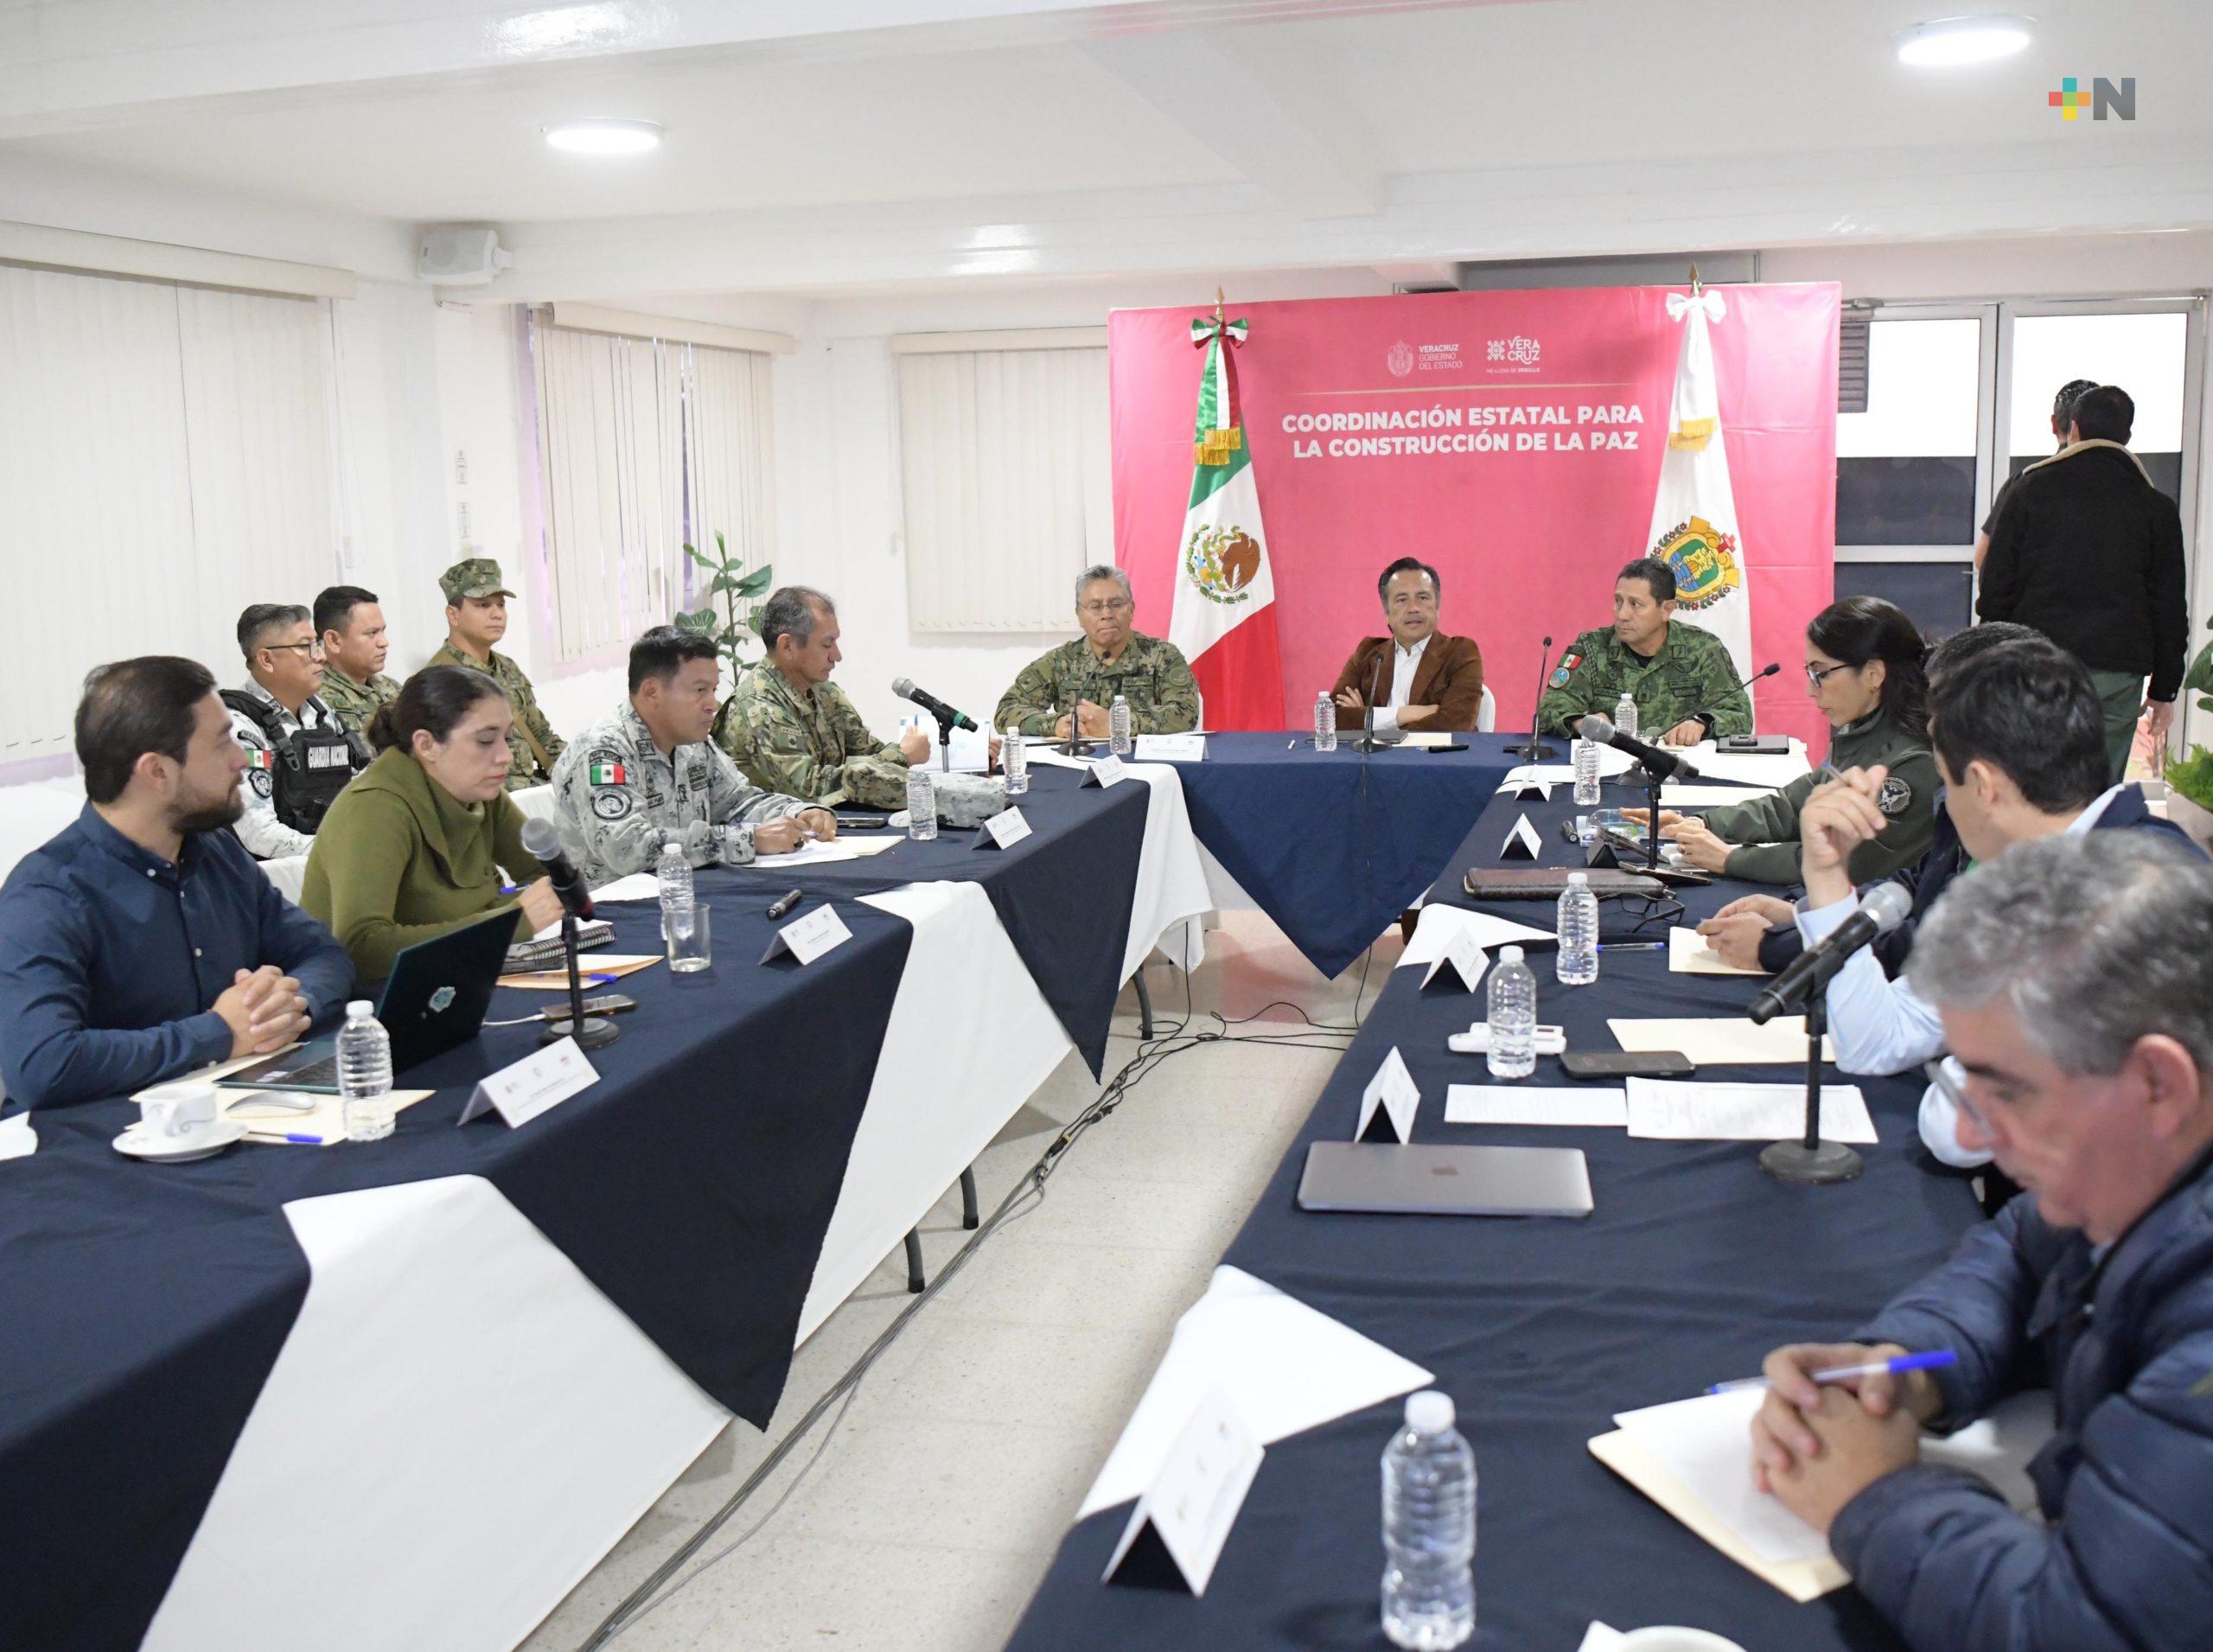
[1896,797]
[611,806]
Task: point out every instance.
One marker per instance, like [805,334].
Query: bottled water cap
[1428,1411]
[359,1007]
[1579,880]
[1509,955]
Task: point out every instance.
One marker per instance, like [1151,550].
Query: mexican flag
[1694,511]
[1224,616]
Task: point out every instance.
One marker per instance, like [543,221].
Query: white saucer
[159,1149]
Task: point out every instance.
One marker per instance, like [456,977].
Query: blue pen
[290,1135]
[1897,1366]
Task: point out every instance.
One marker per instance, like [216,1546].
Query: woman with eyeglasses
[1864,672]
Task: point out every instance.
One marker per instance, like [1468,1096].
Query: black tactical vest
[308,768]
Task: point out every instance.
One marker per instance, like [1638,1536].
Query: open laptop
[1437,1180]
[435,998]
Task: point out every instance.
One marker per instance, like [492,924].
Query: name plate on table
[1521,842]
[806,938]
[1528,779]
[1388,1104]
[535,1084]
[1462,960]
[1003,831]
[1180,1523]
[1107,771]
[1172,748]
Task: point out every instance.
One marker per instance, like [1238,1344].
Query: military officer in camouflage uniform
[350,625]
[792,729]
[277,711]
[476,617]
[649,773]
[1685,685]
[1080,678]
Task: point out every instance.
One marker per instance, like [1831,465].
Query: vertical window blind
[1007,484]
[164,461]
[646,444]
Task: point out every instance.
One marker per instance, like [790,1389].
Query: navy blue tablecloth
[1693,1264]
[1334,846]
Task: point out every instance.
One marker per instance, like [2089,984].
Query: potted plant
[2189,777]
[729,628]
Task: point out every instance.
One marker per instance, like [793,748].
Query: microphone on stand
[1367,741]
[1536,750]
[544,843]
[1659,762]
[1705,714]
[1880,910]
[905,689]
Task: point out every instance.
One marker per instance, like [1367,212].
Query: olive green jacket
[1151,673]
[398,860]
[1766,828]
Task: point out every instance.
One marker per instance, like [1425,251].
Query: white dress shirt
[1405,663]
[1881,1026]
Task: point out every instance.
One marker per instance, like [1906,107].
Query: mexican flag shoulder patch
[260,757]
[608,775]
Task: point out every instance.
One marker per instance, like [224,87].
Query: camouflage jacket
[1692,672]
[620,799]
[532,740]
[799,746]
[354,704]
[1149,672]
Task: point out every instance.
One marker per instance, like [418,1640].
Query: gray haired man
[2076,983]
[1080,679]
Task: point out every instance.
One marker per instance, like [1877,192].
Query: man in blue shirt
[143,942]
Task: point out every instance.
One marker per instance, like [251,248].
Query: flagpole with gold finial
[1218,434]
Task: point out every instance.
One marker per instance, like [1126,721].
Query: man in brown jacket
[1421,677]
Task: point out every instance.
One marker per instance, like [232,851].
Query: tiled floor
[944,1486]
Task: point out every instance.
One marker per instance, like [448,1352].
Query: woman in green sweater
[1864,671]
[414,846]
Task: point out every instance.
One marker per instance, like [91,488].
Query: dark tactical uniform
[296,765]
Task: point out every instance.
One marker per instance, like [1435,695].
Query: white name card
[1387,1104]
[1521,782]
[1172,748]
[806,938]
[1004,830]
[1463,959]
[1107,771]
[1180,1523]
[1521,842]
[535,1084]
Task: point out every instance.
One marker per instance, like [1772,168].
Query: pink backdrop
[1527,541]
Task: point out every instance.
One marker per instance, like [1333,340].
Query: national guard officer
[1111,657]
[649,773]
[1686,686]
[350,623]
[299,757]
[476,617]
[792,729]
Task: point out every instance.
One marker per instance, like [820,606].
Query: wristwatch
[735,844]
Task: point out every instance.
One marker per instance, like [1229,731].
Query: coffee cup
[178,1113]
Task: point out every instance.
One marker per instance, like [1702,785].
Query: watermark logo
[2103,98]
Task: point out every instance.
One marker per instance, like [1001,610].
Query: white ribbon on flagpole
[1679,305]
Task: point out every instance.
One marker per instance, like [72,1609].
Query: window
[164,461]
[646,444]
[1007,477]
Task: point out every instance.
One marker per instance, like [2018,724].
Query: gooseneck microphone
[1705,714]
[1536,750]
[544,843]
[905,689]
[1657,760]
[1880,910]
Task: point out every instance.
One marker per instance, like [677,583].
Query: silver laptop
[1428,1180]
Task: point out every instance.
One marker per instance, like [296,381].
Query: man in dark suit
[1420,677]
[2090,552]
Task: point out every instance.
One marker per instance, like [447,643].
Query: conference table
[1691,1266]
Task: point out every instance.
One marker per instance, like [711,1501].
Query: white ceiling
[817,146]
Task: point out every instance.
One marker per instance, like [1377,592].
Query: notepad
[1431,738]
[809,853]
[1518,1104]
[1688,954]
[1687,1110]
[1721,1041]
[605,963]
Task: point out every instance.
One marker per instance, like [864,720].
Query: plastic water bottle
[674,873]
[1586,773]
[1429,1529]
[1513,1052]
[365,1073]
[1118,727]
[1578,962]
[1325,722]
[1014,761]
[1625,715]
[922,806]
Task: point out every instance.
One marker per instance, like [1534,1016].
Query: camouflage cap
[477,577]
